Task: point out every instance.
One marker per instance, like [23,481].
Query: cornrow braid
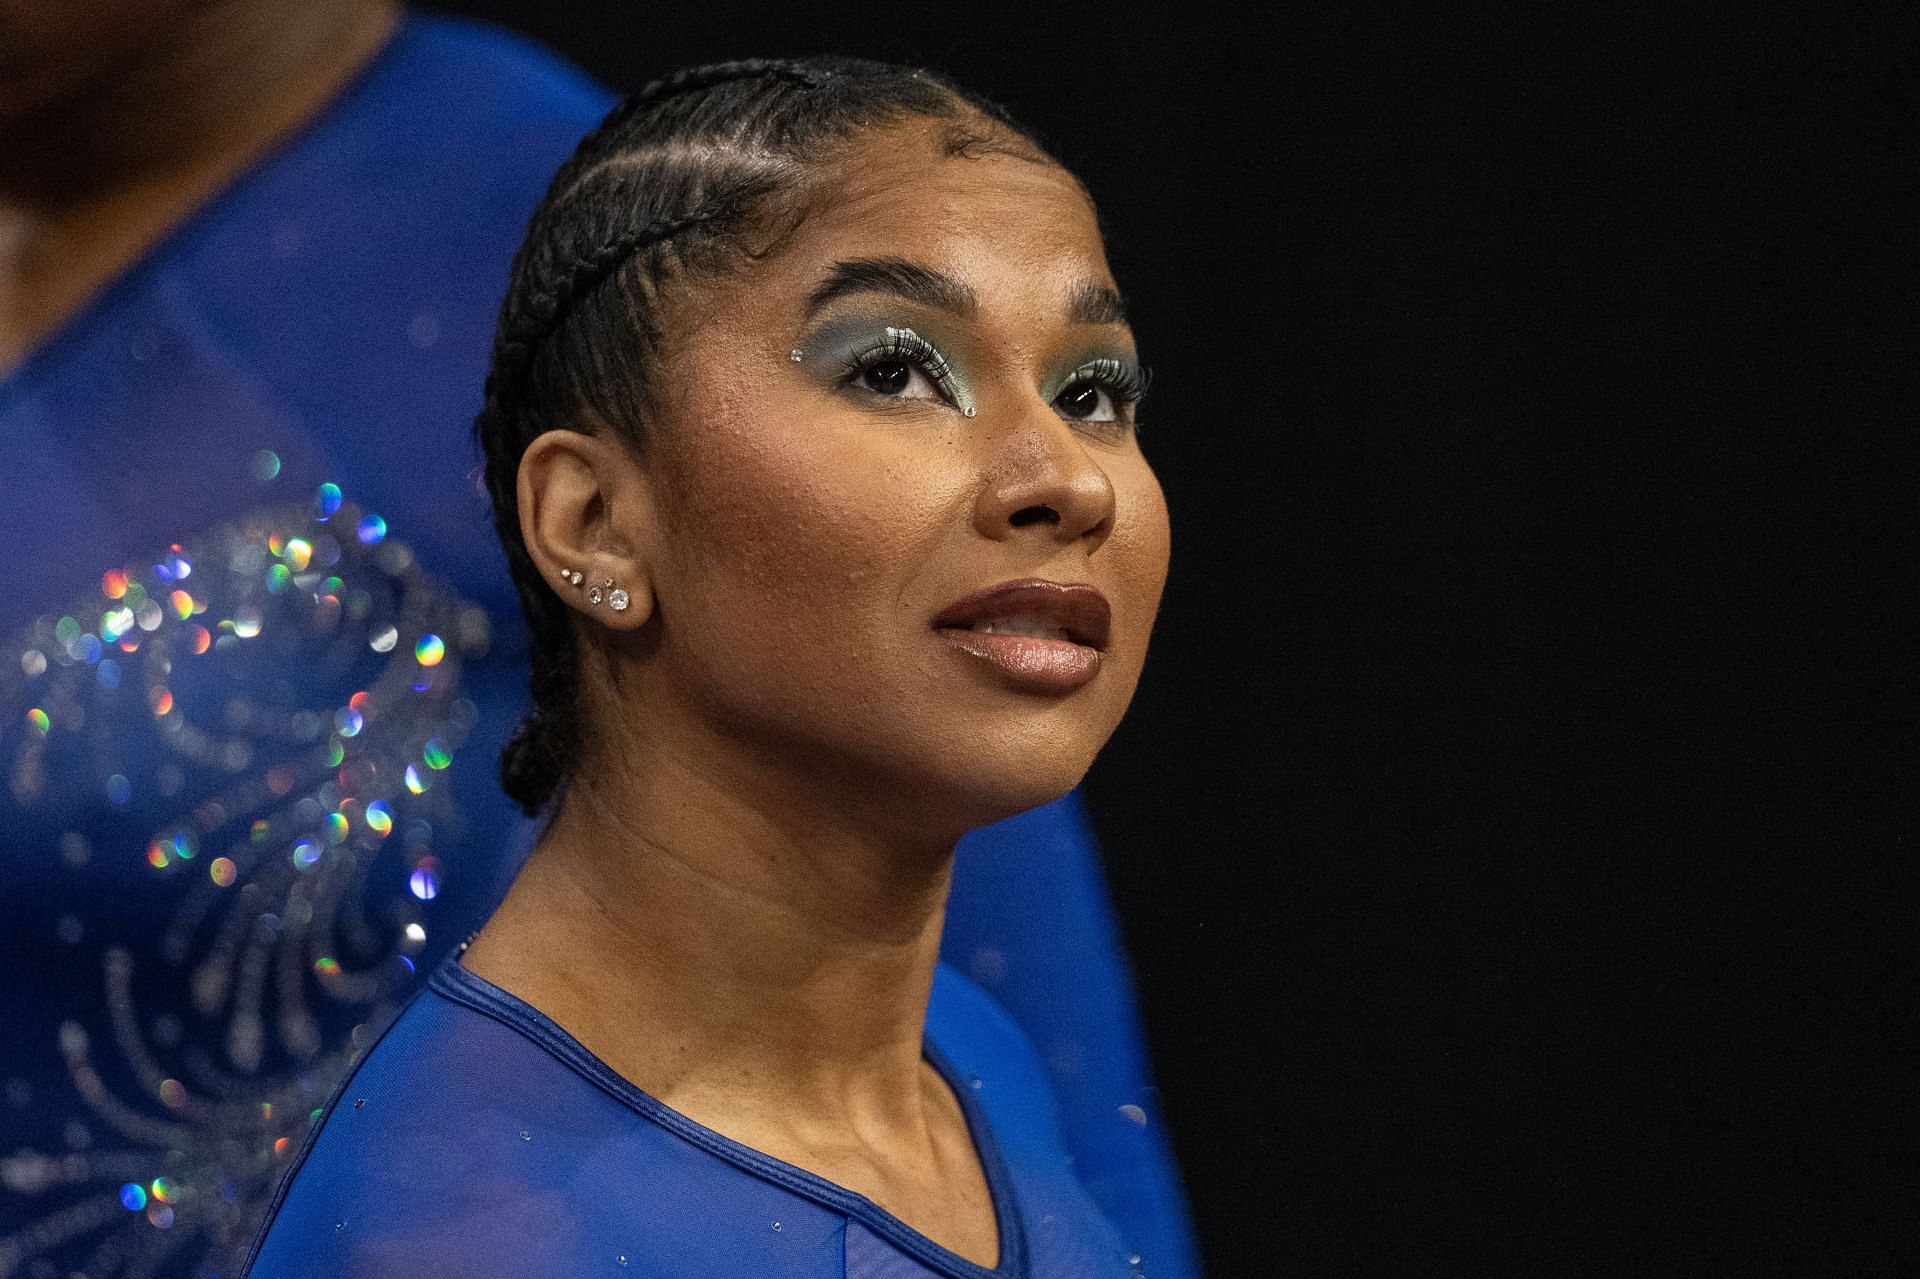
[661,196]
[697,79]
[515,345]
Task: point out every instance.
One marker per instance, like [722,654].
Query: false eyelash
[1127,383]
[905,344]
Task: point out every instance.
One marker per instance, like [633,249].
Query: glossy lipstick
[1043,637]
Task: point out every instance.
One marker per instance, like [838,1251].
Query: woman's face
[922,394]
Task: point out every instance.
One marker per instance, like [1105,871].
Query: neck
[92,179]
[746,943]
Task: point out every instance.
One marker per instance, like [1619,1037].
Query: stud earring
[608,593]
[794,355]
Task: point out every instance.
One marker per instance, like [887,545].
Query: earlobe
[586,518]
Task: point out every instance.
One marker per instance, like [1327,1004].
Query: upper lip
[1076,608]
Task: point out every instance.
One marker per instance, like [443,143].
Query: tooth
[1019,626]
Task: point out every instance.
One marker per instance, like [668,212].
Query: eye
[1103,391]
[903,367]
[1086,402]
[897,378]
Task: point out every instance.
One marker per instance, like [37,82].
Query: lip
[1029,662]
[1079,610]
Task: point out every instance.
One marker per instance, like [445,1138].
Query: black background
[1486,831]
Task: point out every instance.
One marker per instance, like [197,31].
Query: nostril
[1034,514]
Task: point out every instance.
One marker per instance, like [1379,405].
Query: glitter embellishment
[264,706]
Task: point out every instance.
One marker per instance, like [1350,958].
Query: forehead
[1016,229]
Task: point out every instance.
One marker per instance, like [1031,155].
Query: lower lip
[1028,662]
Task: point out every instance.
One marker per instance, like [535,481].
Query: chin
[979,791]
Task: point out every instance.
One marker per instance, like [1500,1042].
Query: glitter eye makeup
[886,361]
[893,362]
[1103,389]
[887,367]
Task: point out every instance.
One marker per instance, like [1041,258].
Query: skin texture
[118,118]
[738,902]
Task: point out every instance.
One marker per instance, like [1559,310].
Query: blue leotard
[479,1139]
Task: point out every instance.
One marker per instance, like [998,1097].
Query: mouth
[1033,609]
[1037,636]
[1028,663]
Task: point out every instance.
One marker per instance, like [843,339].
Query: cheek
[1139,549]
[789,529]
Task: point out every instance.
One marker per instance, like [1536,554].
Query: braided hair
[667,190]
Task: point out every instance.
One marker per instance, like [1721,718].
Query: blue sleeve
[1030,921]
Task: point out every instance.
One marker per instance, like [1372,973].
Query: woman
[810,440]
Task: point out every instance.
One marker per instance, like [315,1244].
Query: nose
[1042,481]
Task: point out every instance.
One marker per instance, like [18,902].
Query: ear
[586,508]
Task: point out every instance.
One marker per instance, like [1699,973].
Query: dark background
[1488,826]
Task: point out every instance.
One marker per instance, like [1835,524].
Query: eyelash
[1126,383]
[905,344]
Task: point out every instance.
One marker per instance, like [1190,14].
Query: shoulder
[443,1135]
[449,109]
[476,1139]
[467,64]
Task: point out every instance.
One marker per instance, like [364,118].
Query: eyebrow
[1096,304]
[897,276]
[1089,303]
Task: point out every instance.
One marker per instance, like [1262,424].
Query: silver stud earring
[618,598]
[794,355]
[971,410]
[593,595]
